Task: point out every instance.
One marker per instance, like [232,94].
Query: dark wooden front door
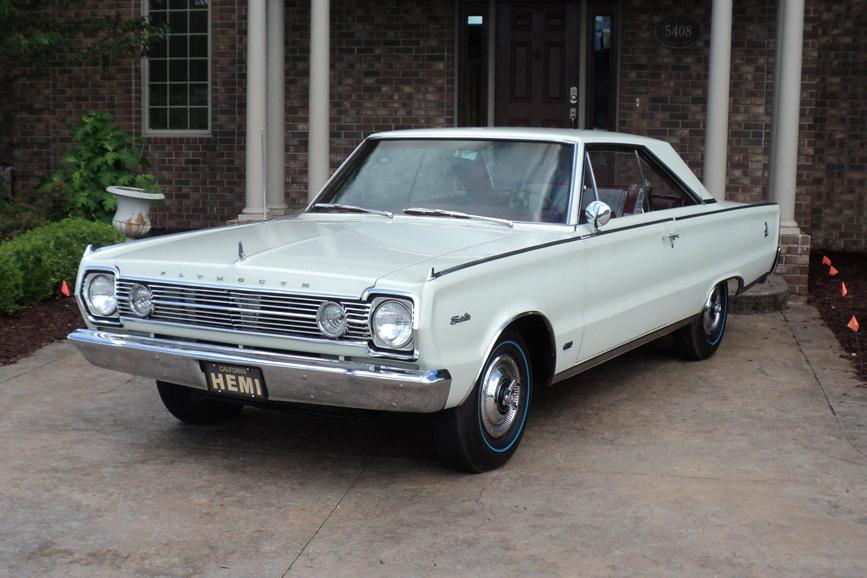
[538,50]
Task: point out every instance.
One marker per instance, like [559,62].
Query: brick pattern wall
[838,208]
[663,91]
[795,262]
[393,67]
[201,176]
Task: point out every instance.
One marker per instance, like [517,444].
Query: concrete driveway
[752,463]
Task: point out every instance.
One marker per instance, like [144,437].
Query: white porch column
[318,137]
[276,111]
[717,124]
[787,111]
[256,102]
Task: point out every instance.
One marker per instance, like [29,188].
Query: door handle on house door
[573,110]
[671,238]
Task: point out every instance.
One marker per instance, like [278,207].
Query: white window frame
[145,112]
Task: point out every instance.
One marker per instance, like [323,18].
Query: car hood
[331,254]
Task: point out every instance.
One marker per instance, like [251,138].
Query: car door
[629,273]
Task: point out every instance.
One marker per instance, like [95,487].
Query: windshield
[514,180]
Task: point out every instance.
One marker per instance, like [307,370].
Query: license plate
[238,381]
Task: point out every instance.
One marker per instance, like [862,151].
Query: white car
[442,270]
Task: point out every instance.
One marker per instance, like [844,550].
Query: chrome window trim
[340,173]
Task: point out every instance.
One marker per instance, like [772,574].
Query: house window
[177,71]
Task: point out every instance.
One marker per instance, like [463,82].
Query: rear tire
[189,406]
[701,338]
[482,433]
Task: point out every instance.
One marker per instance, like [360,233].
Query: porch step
[762,297]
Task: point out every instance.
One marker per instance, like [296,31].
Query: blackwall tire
[189,406]
[482,433]
[700,339]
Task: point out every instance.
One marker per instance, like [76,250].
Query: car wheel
[188,405]
[701,338]
[482,433]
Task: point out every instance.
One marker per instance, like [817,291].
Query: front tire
[482,433]
[701,338]
[189,406]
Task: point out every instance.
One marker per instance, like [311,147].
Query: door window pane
[663,191]
[178,72]
[618,181]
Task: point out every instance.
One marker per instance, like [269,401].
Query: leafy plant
[43,32]
[104,155]
[15,215]
[33,264]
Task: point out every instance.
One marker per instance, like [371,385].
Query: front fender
[464,314]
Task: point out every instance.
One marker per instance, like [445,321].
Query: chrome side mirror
[598,214]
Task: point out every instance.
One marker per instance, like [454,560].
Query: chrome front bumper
[288,378]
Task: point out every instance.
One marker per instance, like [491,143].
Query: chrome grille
[243,310]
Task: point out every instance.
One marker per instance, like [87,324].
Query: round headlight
[392,324]
[99,293]
[331,319]
[141,300]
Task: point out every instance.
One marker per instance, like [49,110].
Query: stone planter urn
[132,217]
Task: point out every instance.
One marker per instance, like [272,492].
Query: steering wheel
[525,199]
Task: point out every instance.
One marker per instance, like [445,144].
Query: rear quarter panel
[723,241]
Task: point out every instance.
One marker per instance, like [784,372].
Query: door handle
[671,238]
[573,117]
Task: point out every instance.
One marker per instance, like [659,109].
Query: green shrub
[11,281]
[104,155]
[33,264]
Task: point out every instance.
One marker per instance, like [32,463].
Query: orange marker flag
[826,261]
[64,288]
[843,290]
[853,324]
[832,271]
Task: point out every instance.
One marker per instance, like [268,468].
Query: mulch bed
[33,327]
[836,311]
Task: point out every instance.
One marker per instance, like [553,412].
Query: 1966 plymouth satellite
[443,270]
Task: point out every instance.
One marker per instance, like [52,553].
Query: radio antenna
[264,178]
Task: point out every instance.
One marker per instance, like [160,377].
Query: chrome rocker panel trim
[288,378]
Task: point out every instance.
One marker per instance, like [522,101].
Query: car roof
[556,134]
[661,149]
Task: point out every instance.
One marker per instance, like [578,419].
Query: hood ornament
[241,255]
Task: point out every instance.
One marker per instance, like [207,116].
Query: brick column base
[795,261]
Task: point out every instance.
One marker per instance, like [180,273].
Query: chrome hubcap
[712,315]
[502,394]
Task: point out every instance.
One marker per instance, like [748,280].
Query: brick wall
[838,208]
[393,67]
[663,91]
[201,176]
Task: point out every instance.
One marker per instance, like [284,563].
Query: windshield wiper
[456,215]
[353,208]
